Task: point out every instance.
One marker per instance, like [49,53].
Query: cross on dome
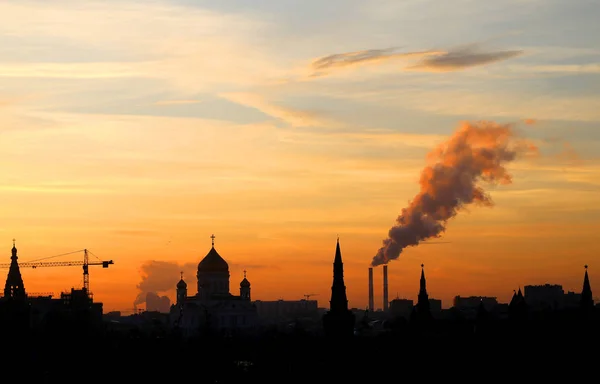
[213,239]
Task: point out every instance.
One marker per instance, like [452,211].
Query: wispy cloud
[99,70]
[455,59]
[54,189]
[371,56]
[177,102]
[478,103]
[557,68]
[186,47]
[292,116]
[461,58]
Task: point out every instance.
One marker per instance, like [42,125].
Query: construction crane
[307,296]
[84,264]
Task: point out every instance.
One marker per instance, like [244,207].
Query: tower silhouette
[14,287]
[587,301]
[245,288]
[338,322]
[421,311]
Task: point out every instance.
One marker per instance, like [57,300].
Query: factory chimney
[385,288]
[371,299]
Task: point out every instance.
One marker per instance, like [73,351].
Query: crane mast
[85,265]
[86,275]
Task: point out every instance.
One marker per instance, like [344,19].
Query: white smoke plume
[475,154]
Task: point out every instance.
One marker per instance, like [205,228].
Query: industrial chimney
[371,300]
[385,289]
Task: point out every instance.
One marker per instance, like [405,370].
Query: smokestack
[385,288]
[371,299]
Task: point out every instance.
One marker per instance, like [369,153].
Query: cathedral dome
[245,283]
[213,262]
[182,284]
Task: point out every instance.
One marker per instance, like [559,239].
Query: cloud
[292,116]
[429,60]
[177,102]
[461,58]
[187,47]
[557,68]
[340,60]
[54,188]
[458,101]
[75,70]
[380,138]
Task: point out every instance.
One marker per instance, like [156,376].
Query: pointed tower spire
[14,287]
[423,310]
[338,252]
[423,282]
[339,321]
[339,301]
[587,300]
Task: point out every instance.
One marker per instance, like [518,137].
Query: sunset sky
[136,129]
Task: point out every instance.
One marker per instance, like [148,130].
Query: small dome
[245,283]
[213,262]
[182,284]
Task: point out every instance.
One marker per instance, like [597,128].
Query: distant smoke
[162,276]
[157,303]
[477,152]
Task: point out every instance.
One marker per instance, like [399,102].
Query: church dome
[213,262]
[245,283]
[182,284]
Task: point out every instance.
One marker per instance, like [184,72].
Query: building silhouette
[517,308]
[245,288]
[338,322]
[14,287]
[73,311]
[213,308]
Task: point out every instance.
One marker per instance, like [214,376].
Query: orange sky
[136,130]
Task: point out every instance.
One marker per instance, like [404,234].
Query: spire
[339,301]
[338,321]
[14,287]
[423,311]
[14,251]
[212,237]
[338,253]
[586,293]
[245,288]
[423,282]
[181,284]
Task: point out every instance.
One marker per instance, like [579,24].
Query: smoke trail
[477,152]
[161,276]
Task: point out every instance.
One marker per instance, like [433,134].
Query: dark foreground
[561,352]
